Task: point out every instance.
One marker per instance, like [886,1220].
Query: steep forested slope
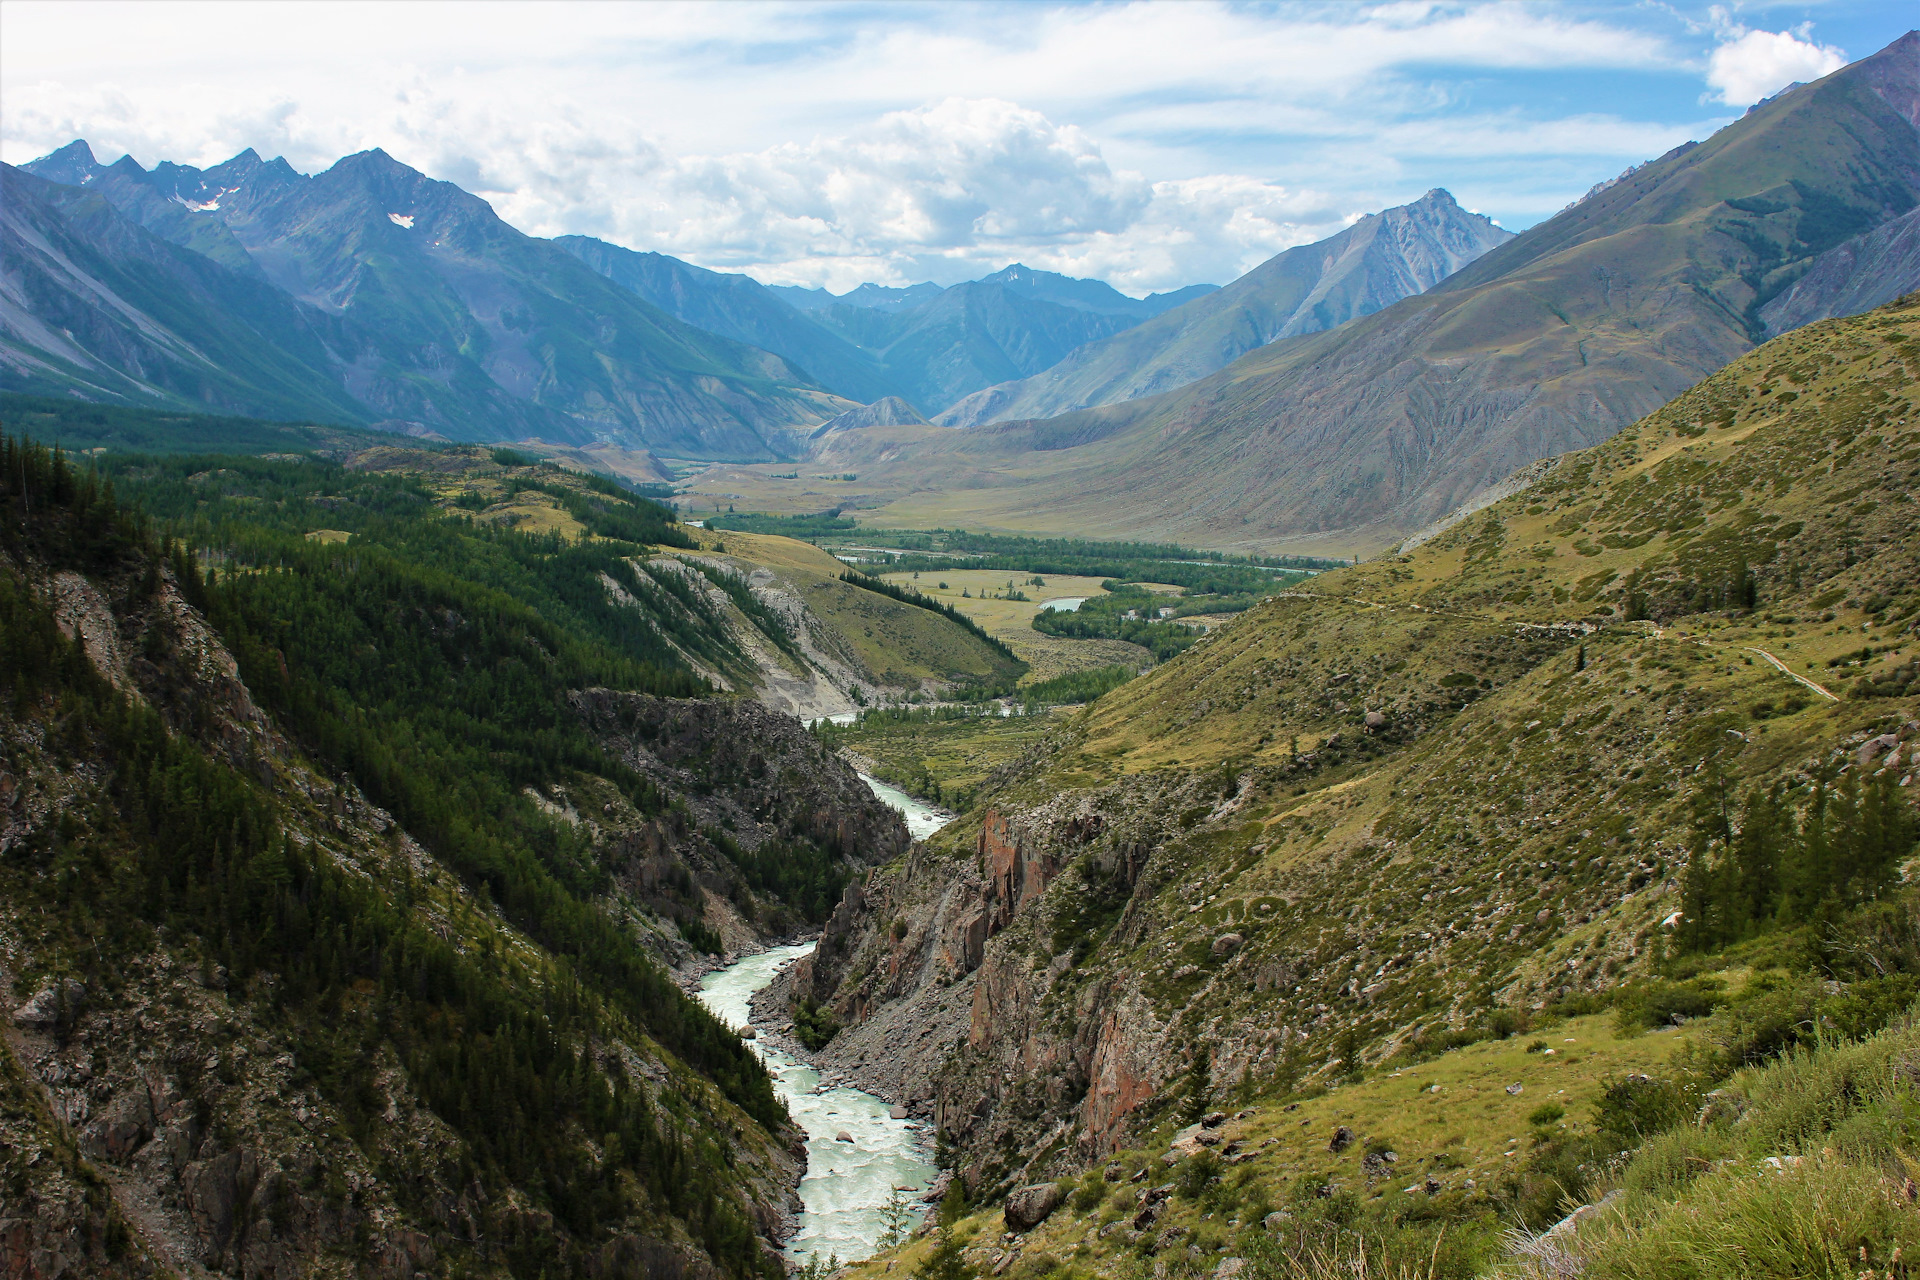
[340,878]
[1659,704]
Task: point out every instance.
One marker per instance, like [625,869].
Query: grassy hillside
[1797,1169]
[1638,739]
[895,647]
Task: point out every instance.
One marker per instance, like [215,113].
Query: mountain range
[922,343]
[379,295]
[371,294]
[1379,260]
[1353,437]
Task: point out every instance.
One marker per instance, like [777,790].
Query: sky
[1152,145]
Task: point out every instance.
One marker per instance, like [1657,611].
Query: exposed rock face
[1028,1207]
[752,774]
[1017,870]
[52,1004]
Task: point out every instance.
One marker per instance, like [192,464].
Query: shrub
[1195,1173]
[1636,1107]
[813,1024]
[1659,1004]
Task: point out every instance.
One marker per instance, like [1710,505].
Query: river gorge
[866,1170]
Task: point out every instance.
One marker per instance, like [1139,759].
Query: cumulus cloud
[1750,65]
[1150,144]
[950,191]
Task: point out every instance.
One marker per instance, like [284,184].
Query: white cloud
[1154,144]
[1751,65]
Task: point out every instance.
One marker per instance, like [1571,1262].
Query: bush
[813,1024]
[1660,1003]
[1195,1173]
[1636,1107]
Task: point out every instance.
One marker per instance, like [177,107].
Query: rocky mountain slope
[1010,324]
[1379,260]
[1474,782]
[338,881]
[1353,438]
[740,308]
[1865,272]
[457,321]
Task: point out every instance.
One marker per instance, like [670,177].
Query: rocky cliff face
[753,787]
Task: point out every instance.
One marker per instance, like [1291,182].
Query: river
[848,1189]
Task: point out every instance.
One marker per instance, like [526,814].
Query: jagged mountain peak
[525,340]
[71,164]
[1374,262]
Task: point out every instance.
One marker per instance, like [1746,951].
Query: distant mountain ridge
[741,308]
[1379,260]
[1352,438]
[543,344]
[1087,295]
[924,343]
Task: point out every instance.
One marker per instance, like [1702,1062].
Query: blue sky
[1149,144]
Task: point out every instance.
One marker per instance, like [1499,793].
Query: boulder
[1342,1139]
[1229,1268]
[1376,721]
[50,1005]
[843,1136]
[897,1112]
[1571,1223]
[1275,1220]
[1227,943]
[1028,1207]
[1213,1119]
[1873,748]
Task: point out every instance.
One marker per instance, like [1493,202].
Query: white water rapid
[848,1194]
[849,1185]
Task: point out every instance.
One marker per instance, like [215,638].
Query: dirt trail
[1786,670]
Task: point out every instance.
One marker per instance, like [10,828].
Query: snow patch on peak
[401,220]
[209,206]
